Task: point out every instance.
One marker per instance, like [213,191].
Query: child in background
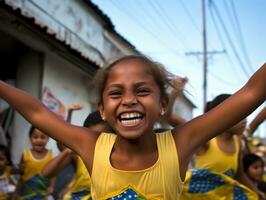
[254,167]
[79,187]
[221,155]
[136,162]
[65,175]
[250,143]
[7,186]
[33,185]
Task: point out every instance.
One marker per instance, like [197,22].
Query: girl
[79,187]
[136,162]
[253,167]
[221,155]
[7,187]
[32,184]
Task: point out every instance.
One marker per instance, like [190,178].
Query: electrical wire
[229,39]
[242,43]
[222,42]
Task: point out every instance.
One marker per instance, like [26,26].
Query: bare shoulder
[87,142]
[188,137]
[181,138]
[87,138]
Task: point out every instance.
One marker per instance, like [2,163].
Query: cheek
[45,141]
[250,172]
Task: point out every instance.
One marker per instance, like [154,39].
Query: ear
[164,105]
[101,109]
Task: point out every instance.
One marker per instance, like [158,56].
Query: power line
[222,41]
[242,43]
[190,16]
[126,12]
[167,21]
[140,23]
[236,27]
[229,39]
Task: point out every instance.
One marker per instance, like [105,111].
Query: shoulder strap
[103,150]
[169,160]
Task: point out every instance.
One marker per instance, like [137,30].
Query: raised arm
[71,109]
[257,120]
[57,163]
[201,129]
[37,114]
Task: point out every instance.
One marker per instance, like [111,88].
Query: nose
[129,99]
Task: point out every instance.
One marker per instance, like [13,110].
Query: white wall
[29,79]
[69,85]
[183,108]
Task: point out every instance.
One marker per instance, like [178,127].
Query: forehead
[130,70]
[38,133]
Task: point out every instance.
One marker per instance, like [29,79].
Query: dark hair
[161,76]
[249,159]
[5,151]
[31,131]
[160,130]
[216,101]
[93,118]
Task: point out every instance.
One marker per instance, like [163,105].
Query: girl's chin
[131,136]
[38,149]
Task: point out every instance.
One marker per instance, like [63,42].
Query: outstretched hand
[179,83]
[75,106]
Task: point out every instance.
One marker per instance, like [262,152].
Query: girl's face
[255,171]
[38,140]
[131,99]
[3,160]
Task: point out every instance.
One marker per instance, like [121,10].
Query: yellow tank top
[218,161]
[33,166]
[80,185]
[160,181]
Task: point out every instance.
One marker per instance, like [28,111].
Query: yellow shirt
[160,181]
[33,166]
[80,185]
[218,161]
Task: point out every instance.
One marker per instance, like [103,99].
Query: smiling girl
[32,184]
[135,162]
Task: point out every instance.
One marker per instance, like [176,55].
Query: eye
[115,93]
[143,91]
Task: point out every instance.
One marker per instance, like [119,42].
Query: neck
[225,136]
[41,152]
[142,145]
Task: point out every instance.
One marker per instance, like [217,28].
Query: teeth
[130,115]
[130,122]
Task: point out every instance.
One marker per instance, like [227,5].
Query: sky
[170,31]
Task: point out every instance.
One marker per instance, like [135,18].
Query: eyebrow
[121,85]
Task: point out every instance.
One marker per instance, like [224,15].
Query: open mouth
[130,119]
[38,146]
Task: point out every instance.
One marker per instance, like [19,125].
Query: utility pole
[205,67]
[204,53]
